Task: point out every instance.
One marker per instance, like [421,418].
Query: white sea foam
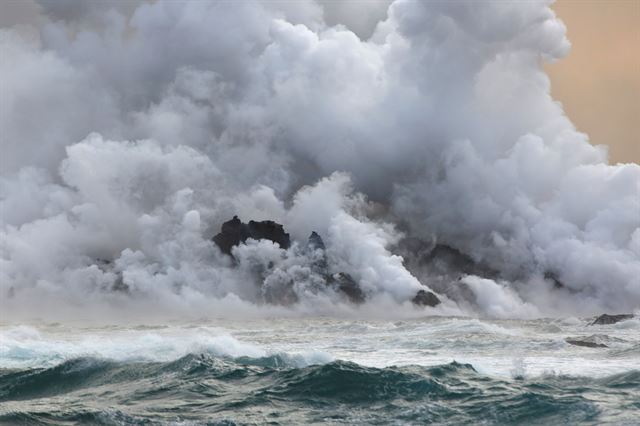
[26,347]
[501,348]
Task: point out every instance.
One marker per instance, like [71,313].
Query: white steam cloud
[131,130]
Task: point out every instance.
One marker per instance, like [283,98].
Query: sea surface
[440,370]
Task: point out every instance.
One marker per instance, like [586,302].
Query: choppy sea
[439,370]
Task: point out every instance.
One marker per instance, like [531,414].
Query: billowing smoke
[131,131]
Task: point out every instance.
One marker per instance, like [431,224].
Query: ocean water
[440,370]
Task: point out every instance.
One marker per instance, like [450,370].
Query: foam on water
[292,370]
[27,347]
[492,347]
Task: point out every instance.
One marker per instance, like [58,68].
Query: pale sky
[599,81]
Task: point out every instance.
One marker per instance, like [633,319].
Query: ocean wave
[26,347]
[209,389]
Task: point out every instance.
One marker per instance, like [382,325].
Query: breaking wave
[225,390]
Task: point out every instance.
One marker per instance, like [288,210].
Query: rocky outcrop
[345,284]
[341,282]
[315,242]
[441,259]
[443,267]
[316,252]
[278,290]
[606,319]
[587,342]
[425,298]
[235,232]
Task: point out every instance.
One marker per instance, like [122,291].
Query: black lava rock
[341,281]
[585,343]
[345,284]
[606,319]
[235,232]
[315,242]
[425,298]
[315,250]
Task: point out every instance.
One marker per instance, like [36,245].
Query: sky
[599,81]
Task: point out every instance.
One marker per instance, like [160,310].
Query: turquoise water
[319,371]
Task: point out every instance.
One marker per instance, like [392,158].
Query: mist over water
[131,133]
[417,139]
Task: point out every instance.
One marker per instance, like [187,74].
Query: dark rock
[315,251]
[587,342]
[269,230]
[606,319]
[452,257]
[341,281]
[315,242]
[444,258]
[443,267]
[234,232]
[345,284]
[425,298]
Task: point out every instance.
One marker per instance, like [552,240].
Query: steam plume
[130,133]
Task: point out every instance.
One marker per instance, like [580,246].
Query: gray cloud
[205,109]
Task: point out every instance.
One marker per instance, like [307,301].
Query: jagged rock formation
[606,319]
[235,232]
[587,342]
[315,242]
[277,291]
[316,252]
[441,259]
[345,284]
[442,267]
[425,298]
[341,282]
